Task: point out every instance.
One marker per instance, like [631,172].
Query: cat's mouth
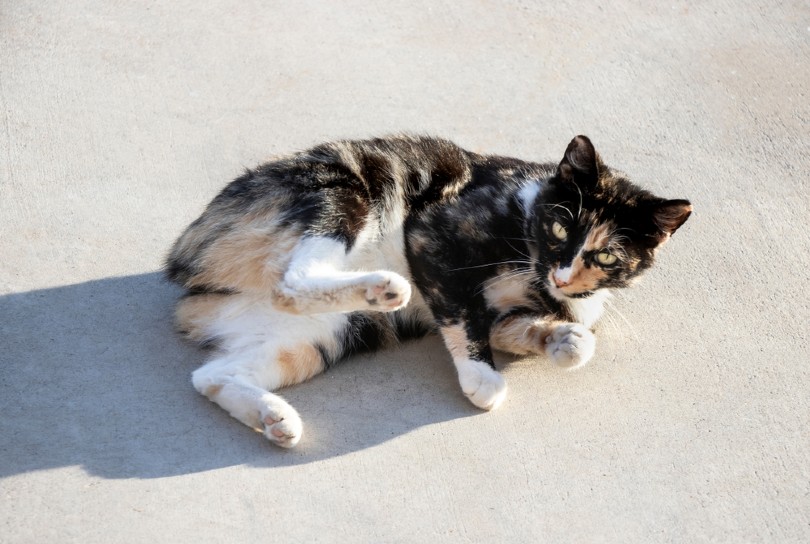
[556,292]
[562,292]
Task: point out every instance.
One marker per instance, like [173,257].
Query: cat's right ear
[580,164]
[669,215]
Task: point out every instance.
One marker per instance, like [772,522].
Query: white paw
[570,345]
[481,384]
[387,291]
[282,424]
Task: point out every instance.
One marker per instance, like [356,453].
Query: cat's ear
[581,163]
[668,216]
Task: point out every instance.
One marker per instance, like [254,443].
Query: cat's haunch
[354,245]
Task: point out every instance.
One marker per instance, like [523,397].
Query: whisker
[524,240]
[579,213]
[563,207]
[509,275]
[487,264]
[613,309]
[490,282]
[517,250]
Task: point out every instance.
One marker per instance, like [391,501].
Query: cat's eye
[559,231]
[606,258]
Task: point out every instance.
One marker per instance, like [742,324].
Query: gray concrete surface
[120,120]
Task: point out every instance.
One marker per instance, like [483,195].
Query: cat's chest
[512,289]
[588,310]
[508,290]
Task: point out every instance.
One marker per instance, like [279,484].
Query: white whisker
[614,310]
[491,282]
[486,265]
[563,207]
[517,250]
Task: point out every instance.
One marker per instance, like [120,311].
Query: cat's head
[594,228]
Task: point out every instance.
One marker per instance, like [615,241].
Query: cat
[355,245]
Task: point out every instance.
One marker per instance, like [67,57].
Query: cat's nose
[558,282]
[562,276]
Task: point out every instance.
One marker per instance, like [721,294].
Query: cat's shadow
[93,375]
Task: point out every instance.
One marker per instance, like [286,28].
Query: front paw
[570,345]
[481,384]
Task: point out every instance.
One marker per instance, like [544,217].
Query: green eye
[559,231]
[606,258]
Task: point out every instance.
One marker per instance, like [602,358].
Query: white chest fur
[503,293]
[588,310]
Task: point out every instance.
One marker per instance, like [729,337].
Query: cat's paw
[282,424]
[387,291]
[484,386]
[570,345]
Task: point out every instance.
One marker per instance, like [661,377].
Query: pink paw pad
[270,422]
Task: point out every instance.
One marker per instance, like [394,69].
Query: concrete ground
[119,121]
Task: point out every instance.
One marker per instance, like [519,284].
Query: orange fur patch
[417,242]
[299,364]
[213,390]
[284,303]
[598,237]
[455,338]
[583,278]
[251,257]
[194,314]
[520,335]
[469,226]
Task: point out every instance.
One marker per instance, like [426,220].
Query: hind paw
[387,292]
[282,424]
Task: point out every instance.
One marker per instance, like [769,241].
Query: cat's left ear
[668,216]
[581,163]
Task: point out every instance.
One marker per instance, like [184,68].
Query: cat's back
[357,191]
[416,169]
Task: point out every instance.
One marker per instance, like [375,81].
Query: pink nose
[560,283]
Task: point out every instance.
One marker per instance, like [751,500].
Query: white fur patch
[484,386]
[317,280]
[588,310]
[563,274]
[481,384]
[252,334]
[570,345]
[527,195]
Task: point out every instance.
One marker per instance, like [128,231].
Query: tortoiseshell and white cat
[353,245]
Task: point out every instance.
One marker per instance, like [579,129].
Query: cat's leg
[317,281]
[568,345]
[241,378]
[464,321]
[261,350]
[469,347]
[238,383]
